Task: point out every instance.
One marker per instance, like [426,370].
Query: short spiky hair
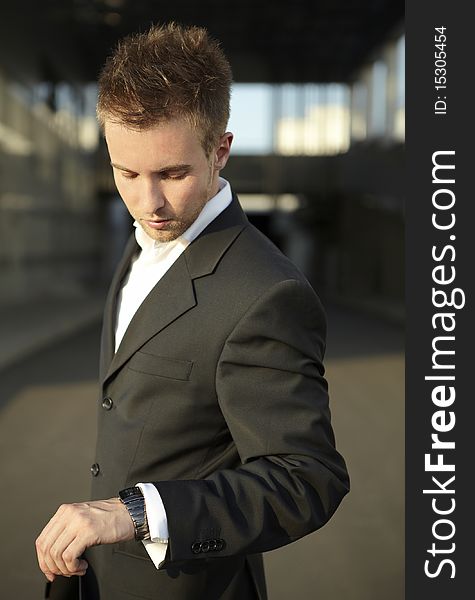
[171,71]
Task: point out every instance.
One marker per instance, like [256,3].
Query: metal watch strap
[134,502]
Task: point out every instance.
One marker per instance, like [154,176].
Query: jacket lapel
[174,294]
[204,253]
[171,297]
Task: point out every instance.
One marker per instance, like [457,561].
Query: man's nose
[153,196]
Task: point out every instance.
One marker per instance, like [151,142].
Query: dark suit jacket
[219,399]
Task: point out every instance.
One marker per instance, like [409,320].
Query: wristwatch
[134,502]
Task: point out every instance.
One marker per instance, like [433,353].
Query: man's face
[163,174]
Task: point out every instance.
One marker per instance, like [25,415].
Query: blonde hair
[168,72]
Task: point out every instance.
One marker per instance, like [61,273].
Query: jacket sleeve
[273,395]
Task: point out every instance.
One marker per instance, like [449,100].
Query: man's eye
[174,175]
[127,175]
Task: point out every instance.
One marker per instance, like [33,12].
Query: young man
[214,437]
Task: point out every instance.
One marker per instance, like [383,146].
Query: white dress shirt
[145,272]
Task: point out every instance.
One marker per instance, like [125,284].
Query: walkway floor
[47,432]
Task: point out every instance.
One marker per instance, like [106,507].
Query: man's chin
[163,235]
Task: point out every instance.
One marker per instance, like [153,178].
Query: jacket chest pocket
[160,366]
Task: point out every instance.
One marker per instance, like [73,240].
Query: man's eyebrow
[167,169]
[116,166]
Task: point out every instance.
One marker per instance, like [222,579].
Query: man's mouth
[158,224]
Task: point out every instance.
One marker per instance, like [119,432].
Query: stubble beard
[174,228]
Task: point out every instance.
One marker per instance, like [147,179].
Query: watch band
[134,502]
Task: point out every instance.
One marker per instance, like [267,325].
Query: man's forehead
[167,143]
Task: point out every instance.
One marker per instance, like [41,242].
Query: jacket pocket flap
[160,366]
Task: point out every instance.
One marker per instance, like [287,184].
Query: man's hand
[76,527]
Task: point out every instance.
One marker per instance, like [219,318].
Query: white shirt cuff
[157,545]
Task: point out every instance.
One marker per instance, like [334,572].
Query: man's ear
[223,150]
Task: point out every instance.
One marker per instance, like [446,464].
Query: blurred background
[318,163]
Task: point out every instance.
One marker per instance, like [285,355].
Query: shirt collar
[210,211]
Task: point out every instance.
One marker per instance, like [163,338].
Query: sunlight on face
[163,174]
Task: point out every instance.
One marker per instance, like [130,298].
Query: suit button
[196,547]
[95,469]
[220,544]
[212,544]
[107,403]
[205,546]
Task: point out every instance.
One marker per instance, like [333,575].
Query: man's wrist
[133,500]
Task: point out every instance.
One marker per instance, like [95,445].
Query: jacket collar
[174,294]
